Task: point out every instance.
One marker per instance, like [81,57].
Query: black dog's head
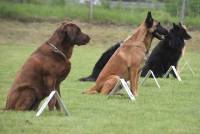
[177,35]
[180,31]
[73,34]
[155,27]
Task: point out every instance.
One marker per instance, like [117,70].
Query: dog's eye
[158,24]
[78,30]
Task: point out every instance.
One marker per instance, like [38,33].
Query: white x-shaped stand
[172,68]
[53,93]
[147,76]
[186,64]
[125,86]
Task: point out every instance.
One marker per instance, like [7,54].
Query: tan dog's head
[73,34]
[155,28]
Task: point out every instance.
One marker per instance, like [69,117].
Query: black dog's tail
[88,78]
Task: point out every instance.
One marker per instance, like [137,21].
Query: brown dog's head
[155,27]
[73,34]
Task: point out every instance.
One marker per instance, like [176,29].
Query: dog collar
[56,50]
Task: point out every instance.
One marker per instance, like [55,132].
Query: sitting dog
[154,58]
[127,60]
[168,52]
[45,69]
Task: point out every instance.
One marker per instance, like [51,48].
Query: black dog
[167,52]
[101,63]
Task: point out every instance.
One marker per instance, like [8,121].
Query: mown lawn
[174,108]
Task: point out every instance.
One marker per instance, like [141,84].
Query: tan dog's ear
[149,20]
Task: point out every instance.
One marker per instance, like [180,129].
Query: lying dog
[45,69]
[127,61]
[101,63]
[167,52]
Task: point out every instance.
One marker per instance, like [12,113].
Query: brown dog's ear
[149,20]
[64,22]
[69,30]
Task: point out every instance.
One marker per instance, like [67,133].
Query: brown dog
[45,69]
[127,60]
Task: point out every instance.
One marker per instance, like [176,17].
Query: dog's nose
[87,38]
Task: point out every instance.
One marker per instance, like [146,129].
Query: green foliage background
[33,10]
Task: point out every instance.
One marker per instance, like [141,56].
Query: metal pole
[90,9]
[182,11]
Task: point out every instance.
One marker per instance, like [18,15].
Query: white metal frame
[186,64]
[125,86]
[47,100]
[150,72]
[172,68]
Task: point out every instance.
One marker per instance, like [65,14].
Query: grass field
[173,109]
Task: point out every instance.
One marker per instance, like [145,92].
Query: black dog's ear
[175,26]
[149,20]
[182,26]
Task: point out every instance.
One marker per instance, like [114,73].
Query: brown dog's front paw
[52,104]
[51,108]
[58,106]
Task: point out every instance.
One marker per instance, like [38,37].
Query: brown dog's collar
[56,50]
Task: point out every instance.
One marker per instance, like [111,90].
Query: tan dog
[45,69]
[127,61]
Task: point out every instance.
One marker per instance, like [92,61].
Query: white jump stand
[147,76]
[172,68]
[47,101]
[125,86]
[186,64]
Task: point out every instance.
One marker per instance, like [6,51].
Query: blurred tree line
[60,2]
[171,6]
[192,7]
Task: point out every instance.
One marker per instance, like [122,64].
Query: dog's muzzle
[158,36]
[160,32]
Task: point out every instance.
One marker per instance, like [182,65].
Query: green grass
[33,12]
[174,108]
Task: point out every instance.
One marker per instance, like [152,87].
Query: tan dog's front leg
[137,81]
[134,77]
